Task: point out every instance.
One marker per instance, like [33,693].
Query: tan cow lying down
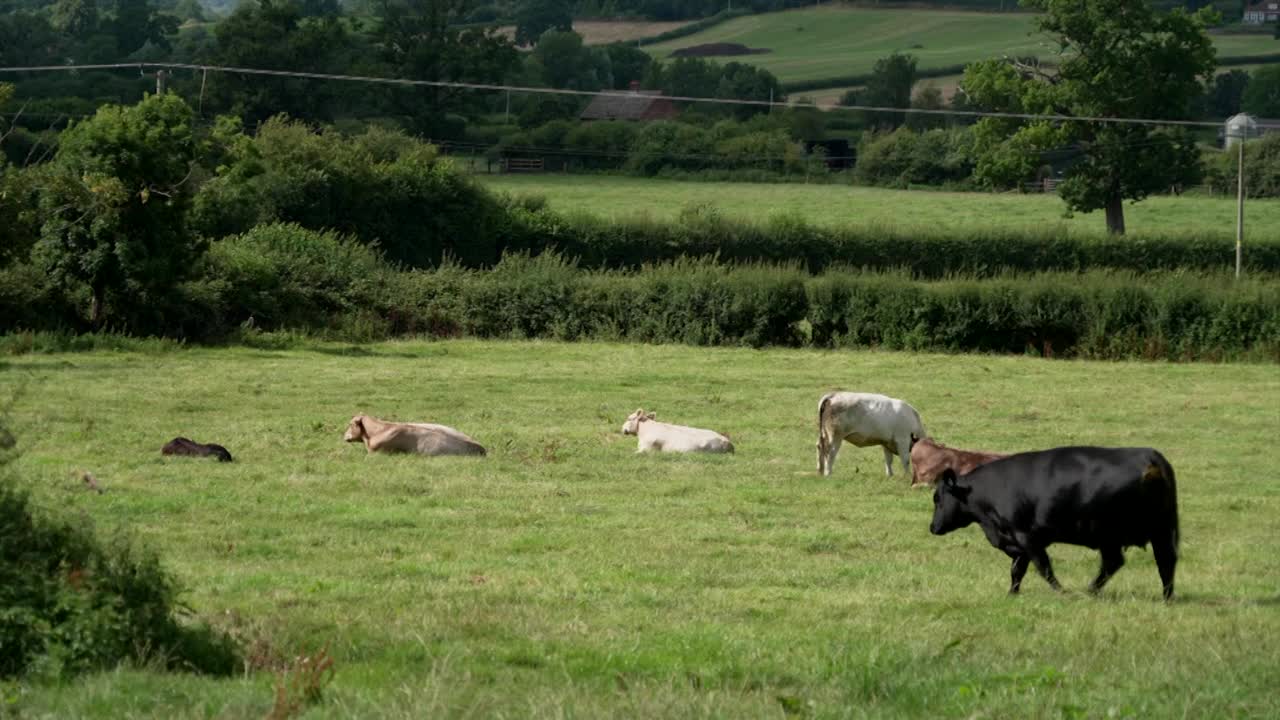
[420,438]
[930,459]
[664,437]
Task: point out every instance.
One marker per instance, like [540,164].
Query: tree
[1262,97]
[273,35]
[628,63]
[137,23]
[419,40]
[536,17]
[562,61]
[1223,97]
[1117,58]
[114,203]
[929,98]
[890,84]
[77,18]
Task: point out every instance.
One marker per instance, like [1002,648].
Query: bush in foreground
[70,603]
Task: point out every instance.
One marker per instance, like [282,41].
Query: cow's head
[632,425]
[928,461]
[355,430]
[950,504]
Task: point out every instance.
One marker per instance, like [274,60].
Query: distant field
[844,204]
[832,42]
[564,576]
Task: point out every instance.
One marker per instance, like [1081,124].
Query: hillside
[838,42]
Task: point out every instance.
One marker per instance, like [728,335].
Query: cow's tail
[824,442]
[1169,494]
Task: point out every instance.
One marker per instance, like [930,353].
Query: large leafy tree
[535,17]
[114,204]
[890,84]
[274,35]
[137,23]
[1262,96]
[420,40]
[1115,59]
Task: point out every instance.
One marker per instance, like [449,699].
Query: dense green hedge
[285,277]
[701,231]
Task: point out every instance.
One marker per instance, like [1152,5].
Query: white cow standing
[866,419]
[665,437]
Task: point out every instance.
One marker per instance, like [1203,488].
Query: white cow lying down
[420,438]
[664,437]
[866,419]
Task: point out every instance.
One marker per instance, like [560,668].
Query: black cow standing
[1102,498]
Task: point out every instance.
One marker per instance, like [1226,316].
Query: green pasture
[614,196]
[564,576]
[834,41]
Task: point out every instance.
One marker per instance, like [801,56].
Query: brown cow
[420,438]
[930,459]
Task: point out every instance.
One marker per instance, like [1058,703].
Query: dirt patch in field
[603,32]
[718,50]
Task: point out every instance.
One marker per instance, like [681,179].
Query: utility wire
[604,93]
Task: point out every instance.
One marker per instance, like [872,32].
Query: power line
[605,93]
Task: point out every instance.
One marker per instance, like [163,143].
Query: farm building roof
[634,105]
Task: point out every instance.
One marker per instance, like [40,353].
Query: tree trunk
[1115,215]
[95,309]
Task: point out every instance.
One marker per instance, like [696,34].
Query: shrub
[378,187]
[286,276]
[70,603]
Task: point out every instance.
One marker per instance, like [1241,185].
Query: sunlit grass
[613,196]
[566,576]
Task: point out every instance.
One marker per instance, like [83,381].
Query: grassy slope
[564,576]
[844,204]
[829,42]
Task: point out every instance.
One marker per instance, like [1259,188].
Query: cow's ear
[650,416]
[914,440]
[948,479]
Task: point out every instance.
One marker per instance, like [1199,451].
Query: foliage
[1224,95]
[136,23]
[1261,168]
[285,276]
[562,61]
[113,204]
[628,64]
[381,187]
[275,35]
[696,77]
[535,17]
[905,157]
[889,85]
[1112,49]
[1262,96]
[418,39]
[71,603]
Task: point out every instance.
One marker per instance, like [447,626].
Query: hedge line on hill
[700,231]
[283,277]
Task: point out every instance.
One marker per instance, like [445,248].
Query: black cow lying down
[1102,498]
[183,446]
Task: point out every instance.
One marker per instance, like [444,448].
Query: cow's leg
[888,462]
[1017,571]
[829,458]
[904,453]
[1166,553]
[1043,566]
[1112,560]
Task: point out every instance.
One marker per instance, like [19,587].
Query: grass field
[832,42]
[564,576]
[612,196]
